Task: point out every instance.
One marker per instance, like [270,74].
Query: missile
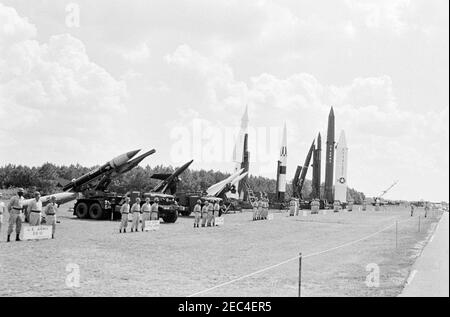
[61,198]
[329,163]
[340,188]
[316,168]
[246,166]
[301,181]
[220,187]
[169,181]
[281,173]
[295,182]
[133,163]
[96,173]
[239,152]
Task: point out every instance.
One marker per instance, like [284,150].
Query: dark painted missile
[133,163]
[296,193]
[105,168]
[329,160]
[170,181]
[316,168]
[302,178]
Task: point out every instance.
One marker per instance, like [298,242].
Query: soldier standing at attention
[155,210]
[255,209]
[412,210]
[146,209]
[136,210]
[210,213]
[216,212]
[35,208]
[427,209]
[50,215]
[15,214]
[204,213]
[2,211]
[197,213]
[124,211]
[260,208]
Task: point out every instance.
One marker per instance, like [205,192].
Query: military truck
[99,205]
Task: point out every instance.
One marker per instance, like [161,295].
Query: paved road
[429,276]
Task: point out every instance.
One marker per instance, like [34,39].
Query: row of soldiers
[37,214]
[260,208]
[146,212]
[207,214]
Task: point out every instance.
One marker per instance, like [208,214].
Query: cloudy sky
[85,81]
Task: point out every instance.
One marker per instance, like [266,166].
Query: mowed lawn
[179,260]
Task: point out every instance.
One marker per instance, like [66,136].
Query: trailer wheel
[81,210]
[96,211]
[171,217]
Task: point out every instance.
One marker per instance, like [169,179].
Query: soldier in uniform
[2,211]
[427,209]
[210,213]
[336,206]
[350,205]
[146,209]
[255,209]
[155,210]
[204,213]
[124,211]
[35,209]
[15,214]
[412,209]
[197,213]
[266,208]
[50,214]
[216,213]
[260,208]
[364,205]
[136,211]
[292,207]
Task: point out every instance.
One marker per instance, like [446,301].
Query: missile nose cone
[132,154]
[331,112]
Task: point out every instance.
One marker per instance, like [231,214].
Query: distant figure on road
[412,209]
[427,209]
[136,211]
[2,211]
[50,215]
[197,213]
[35,209]
[15,214]
[124,211]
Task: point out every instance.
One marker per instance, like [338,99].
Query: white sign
[270,217]
[152,225]
[305,213]
[219,221]
[37,232]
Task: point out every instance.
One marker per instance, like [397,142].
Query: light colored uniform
[124,210]
[136,210]
[2,212]
[260,209]
[255,209]
[292,208]
[204,214]
[336,206]
[197,215]
[216,213]
[15,214]
[210,214]
[154,215]
[145,209]
[50,216]
[35,209]
[315,206]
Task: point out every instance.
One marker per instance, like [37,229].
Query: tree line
[49,177]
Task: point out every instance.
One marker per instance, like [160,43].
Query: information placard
[152,225]
[219,221]
[37,232]
[270,217]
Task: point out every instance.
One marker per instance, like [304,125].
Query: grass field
[181,261]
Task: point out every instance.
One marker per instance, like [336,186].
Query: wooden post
[300,275]
[419,223]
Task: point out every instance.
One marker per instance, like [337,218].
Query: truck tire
[81,210]
[96,211]
[171,217]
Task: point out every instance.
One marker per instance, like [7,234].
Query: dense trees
[48,177]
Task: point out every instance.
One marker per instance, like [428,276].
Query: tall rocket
[243,193]
[281,172]
[239,153]
[316,168]
[305,169]
[340,188]
[329,163]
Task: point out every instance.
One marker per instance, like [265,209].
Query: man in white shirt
[146,209]
[15,208]
[35,209]
[136,211]
[124,211]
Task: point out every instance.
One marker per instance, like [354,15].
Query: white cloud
[54,93]
[139,54]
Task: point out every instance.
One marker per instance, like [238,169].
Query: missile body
[340,187]
[302,178]
[242,188]
[316,168]
[295,182]
[329,164]
[170,182]
[114,164]
[281,190]
[239,153]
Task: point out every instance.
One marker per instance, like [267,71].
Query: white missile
[340,187]
[282,167]
[61,198]
[217,188]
